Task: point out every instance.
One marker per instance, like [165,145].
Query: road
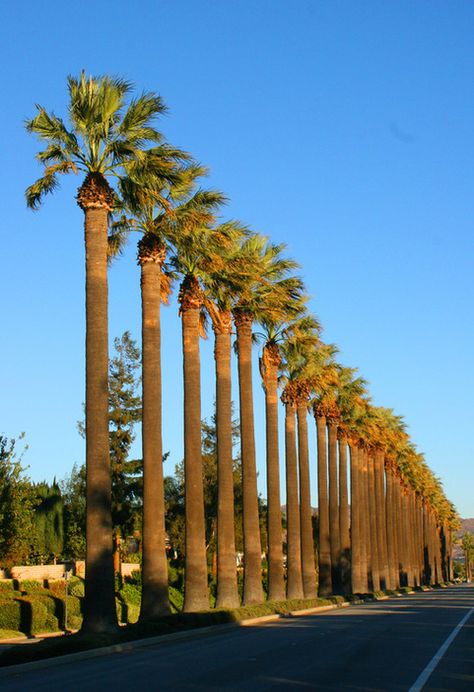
[378,646]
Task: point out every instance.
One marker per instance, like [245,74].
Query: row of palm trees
[135,181]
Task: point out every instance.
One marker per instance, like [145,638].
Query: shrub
[176,599]
[134,578]
[131,594]
[28,585]
[76,587]
[35,617]
[10,615]
[6,586]
[175,577]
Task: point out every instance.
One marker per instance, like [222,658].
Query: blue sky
[344,129]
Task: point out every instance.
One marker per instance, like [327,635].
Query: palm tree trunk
[253,592]
[154,564]
[406,538]
[365,522]
[345,562]
[227,593]
[99,603]
[396,522]
[380,504]
[391,546]
[400,532]
[427,569]
[325,582]
[195,586]
[306,515]
[334,525]
[293,537]
[357,582]
[373,524]
[276,586]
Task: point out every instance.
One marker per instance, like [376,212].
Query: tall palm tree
[298,350]
[105,136]
[350,391]
[294,582]
[262,269]
[287,304]
[324,410]
[196,247]
[163,201]
[218,302]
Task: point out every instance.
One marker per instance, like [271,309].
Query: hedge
[9,614]
[6,587]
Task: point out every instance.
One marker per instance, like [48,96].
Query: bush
[134,578]
[176,577]
[10,615]
[176,599]
[76,587]
[28,585]
[36,615]
[6,587]
[131,594]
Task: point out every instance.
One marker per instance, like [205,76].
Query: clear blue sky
[343,128]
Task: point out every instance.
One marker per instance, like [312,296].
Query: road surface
[380,646]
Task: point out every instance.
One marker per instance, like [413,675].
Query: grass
[10,634]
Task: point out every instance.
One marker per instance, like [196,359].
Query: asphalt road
[379,646]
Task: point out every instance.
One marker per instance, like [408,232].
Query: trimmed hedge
[10,614]
[6,587]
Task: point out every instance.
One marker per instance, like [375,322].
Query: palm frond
[118,237]
[138,116]
[47,184]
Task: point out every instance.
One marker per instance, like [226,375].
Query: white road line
[423,677]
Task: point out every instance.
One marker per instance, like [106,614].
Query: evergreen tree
[48,521]
[73,491]
[16,506]
[124,413]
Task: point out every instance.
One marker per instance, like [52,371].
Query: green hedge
[6,587]
[10,614]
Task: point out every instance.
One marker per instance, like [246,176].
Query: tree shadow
[26,617]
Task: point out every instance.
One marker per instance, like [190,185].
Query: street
[378,646]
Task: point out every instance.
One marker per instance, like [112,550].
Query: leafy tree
[73,491]
[124,413]
[48,521]
[16,506]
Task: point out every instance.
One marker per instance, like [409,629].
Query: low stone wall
[41,572]
[38,572]
[127,568]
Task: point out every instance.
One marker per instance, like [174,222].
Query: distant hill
[467,525]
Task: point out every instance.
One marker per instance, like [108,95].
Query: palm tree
[162,199]
[104,138]
[287,303]
[324,410]
[350,391]
[299,351]
[262,269]
[197,247]
[218,301]
[294,585]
